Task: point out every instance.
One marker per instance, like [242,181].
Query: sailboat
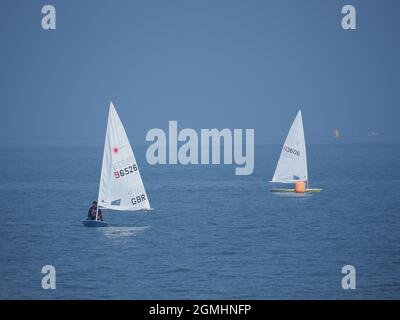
[121,187]
[292,163]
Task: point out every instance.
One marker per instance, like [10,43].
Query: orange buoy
[299,187]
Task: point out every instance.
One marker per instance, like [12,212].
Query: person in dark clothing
[93,211]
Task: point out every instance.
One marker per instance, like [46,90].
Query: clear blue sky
[223,64]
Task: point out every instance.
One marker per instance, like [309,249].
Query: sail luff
[104,161]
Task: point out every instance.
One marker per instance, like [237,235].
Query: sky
[207,64]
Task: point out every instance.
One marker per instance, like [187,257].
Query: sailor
[93,211]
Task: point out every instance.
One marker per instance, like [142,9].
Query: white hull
[292,190]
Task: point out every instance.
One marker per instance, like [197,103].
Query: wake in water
[122,232]
[292,195]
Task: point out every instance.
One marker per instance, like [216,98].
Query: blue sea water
[212,235]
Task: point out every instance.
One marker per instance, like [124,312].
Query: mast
[102,162]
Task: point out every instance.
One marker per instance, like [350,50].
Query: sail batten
[121,186]
[292,163]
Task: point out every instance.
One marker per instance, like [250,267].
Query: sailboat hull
[292,190]
[94,223]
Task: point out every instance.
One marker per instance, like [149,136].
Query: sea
[211,235]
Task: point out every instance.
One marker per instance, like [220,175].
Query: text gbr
[188,151]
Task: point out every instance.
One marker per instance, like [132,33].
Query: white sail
[121,186]
[292,164]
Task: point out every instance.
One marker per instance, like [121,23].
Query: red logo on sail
[115,150]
